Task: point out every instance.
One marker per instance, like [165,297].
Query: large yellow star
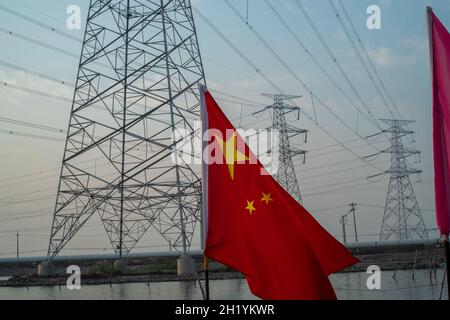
[266,198]
[250,206]
[230,153]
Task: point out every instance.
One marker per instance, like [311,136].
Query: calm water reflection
[347,286]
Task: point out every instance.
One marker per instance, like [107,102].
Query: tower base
[46,269]
[185,266]
[120,266]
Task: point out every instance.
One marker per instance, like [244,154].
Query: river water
[348,286]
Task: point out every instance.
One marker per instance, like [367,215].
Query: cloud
[387,58]
[384,57]
[25,80]
[412,50]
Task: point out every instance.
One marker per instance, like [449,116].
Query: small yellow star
[266,198]
[250,206]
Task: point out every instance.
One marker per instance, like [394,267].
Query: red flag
[254,226]
[440,56]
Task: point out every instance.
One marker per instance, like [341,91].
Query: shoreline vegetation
[165,269]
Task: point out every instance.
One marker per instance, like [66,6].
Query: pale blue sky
[399,51]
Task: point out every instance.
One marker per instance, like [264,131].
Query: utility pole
[402,218]
[286,175]
[344,222]
[353,211]
[17,243]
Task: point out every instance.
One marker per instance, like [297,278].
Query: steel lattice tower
[402,218]
[286,175]
[138,79]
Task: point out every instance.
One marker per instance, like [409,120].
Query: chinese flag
[440,56]
[255,227]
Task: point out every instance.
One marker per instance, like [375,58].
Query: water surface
[348,286]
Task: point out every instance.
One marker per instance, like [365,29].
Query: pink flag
[440,56]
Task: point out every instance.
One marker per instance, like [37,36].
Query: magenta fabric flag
[440,55]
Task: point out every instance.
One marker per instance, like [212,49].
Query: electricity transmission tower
[138,79]
[286,175]
[402,218]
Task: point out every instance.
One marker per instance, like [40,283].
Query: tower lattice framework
[286,175]
[402,218]
[137,81]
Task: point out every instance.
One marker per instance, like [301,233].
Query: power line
[38,23]
[326,209]
[336,61]
[35,73]
[42,44]
[308,177]
[24,213]
[58,130]
[27,193]
[29,175]
[330,135]
[364,50]
[44,94]
[333,182]
[340,189]
[59,81]
[335,151]
[363,63]
[382,207]
[336,191]
[36,92]
[240,103]
[294,74]
[313,188]
[339,144]
[28,135]
[42,13]
[338,182]
[257,103]
[37,42]
[45,25]
[339,171]
[236,49]
[31,125]
[13,218]
[316,61]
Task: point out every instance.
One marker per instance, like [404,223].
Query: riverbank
[34,281]
[164,269]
